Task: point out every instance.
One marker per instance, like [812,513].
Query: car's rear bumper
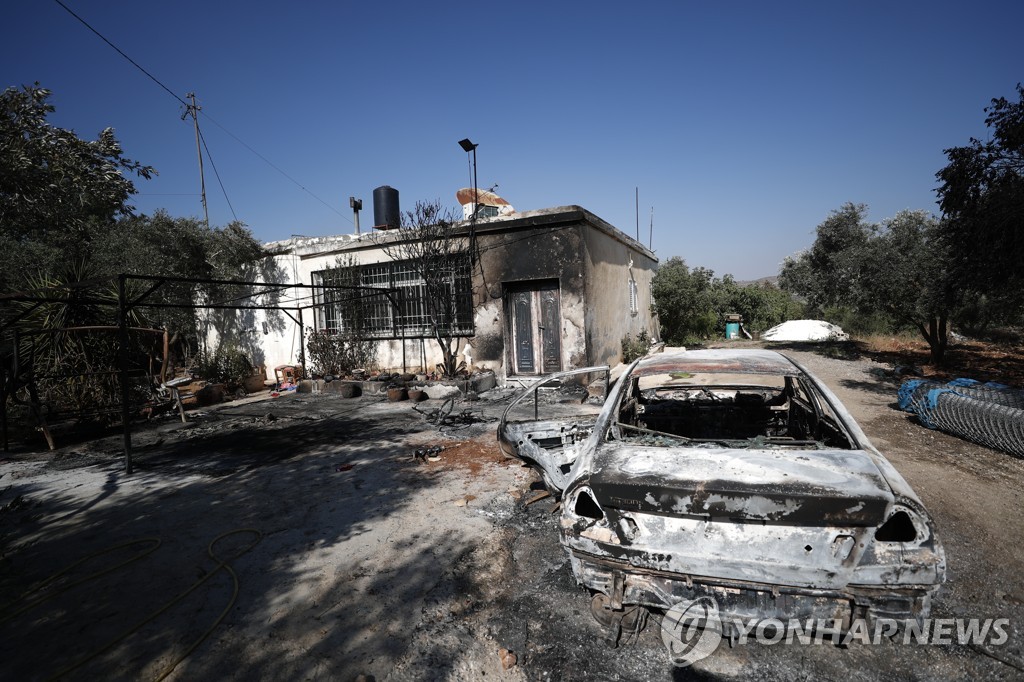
[744,601]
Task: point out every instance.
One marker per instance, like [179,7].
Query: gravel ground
[367,561]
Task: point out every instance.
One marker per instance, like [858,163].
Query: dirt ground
[332,551]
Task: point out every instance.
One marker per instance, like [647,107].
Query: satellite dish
[487,204]
[465,196]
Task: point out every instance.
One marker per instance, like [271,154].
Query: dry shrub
[893,343]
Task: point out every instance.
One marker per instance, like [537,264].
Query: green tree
[692,304]
[828,274]
[66,224]
[762,305]
[899,267]
[161,244]
[908,277]
[57,191]
[85,295]
[74,362]
[685,302]
[982,196]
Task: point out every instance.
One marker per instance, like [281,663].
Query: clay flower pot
[397,394]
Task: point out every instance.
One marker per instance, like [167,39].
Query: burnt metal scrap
[731,474]
[446,416]
[432,453]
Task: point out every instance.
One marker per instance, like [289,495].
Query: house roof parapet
[545,217]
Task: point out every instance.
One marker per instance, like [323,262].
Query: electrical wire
[118,50]
[505,243]
[212,120]
[274,166]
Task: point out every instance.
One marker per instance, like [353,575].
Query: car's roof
[718,360]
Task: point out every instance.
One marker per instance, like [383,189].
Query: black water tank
[386,214]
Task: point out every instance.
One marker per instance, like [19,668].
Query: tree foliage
[692,303]
[56,190]
[339,353]
[160,244]
[66,225]
[828,274]
[762,305]
[73,368]
[684,301]
[982,196]
[898,267]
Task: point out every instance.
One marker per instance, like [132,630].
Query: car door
[548,424]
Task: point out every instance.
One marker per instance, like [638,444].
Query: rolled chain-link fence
[988,414]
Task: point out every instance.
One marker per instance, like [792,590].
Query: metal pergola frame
[125,304]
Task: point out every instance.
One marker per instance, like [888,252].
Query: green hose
[155,543]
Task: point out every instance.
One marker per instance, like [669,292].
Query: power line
[212,120]
[118,50]
[272,165]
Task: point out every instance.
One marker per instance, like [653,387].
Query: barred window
[407,307]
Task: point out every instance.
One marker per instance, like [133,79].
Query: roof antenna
[637,204]
[651,238]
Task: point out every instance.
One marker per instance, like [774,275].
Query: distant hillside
[774,279]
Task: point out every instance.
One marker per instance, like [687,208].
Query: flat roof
[316,246]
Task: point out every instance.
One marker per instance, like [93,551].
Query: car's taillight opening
[898,528]
[586,506]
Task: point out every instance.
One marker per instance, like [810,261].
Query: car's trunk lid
[808,487]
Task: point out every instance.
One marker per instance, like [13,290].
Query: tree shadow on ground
[837,350]
[324,592]
[879,386]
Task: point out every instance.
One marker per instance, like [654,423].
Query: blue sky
[742,124]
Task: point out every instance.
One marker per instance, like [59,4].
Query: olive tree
[899,267]
[982,197]
[57,191]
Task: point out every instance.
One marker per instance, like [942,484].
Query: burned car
[732,474]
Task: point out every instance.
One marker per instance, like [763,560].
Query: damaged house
[538,291]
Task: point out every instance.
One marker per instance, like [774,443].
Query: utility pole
[192,110]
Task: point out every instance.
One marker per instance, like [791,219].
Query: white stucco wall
[310,255]
[612,261]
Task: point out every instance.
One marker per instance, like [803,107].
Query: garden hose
[155,543]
